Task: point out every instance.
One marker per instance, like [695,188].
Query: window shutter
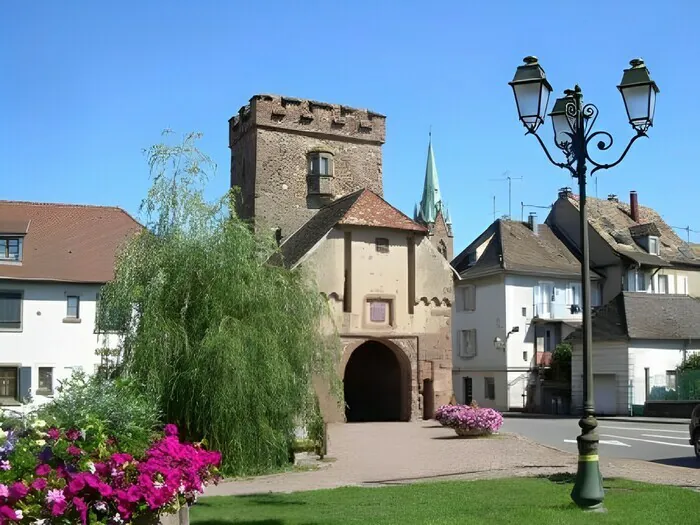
[671,283]
[25,382]
[682,285]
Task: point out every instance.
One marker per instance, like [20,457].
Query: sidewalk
[626,419]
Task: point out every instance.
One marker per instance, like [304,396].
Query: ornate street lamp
[573,122]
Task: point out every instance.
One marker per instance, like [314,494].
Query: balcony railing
[554,310]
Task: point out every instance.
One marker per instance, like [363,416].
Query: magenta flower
[74,451]
[5,465]
[73,434]
[53,433]
[8,513]
[18,490]
[39,484]
[171,430]
[4,491]
[43,470]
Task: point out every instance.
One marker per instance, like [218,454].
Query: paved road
[659,443]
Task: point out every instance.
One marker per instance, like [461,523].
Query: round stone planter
[471,432]
[182,517]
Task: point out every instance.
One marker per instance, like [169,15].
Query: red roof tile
[66,242]
[371,210]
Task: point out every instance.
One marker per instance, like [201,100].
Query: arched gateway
[377,382]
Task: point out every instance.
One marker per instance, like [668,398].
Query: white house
[639,339]
[518,295]
[54,258]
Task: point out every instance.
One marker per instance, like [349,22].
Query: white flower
[101,506]
[158,485]
[91,467]
[40,442]
[39,522]
[18,513]
[39,423]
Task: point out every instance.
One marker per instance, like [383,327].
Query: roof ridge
[367,190]
[62,204]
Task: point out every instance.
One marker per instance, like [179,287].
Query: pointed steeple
[415,212]
[431,200]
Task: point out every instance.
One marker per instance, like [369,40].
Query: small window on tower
[321,164]
[382,245]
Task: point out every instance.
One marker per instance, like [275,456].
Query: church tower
[432,211]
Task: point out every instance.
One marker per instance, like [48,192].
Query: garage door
[605,394]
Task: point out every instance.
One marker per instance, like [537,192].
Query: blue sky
[85,86]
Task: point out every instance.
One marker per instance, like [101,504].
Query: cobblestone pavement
[376,454]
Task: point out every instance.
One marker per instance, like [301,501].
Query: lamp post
[573,122]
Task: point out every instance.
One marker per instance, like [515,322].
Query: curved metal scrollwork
[581,121]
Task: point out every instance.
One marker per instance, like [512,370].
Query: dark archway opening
[372,384]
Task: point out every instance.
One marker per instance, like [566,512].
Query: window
[574,292]
[10,310]
[489,388]
[682,284]
[663,284]
[321,164]
[653,245]
[466,298]
[467,343]
[73,307]
[10,248]
[471,258]
[45,381]
[670,380]
[8,383]
[637,281]
[442,248]
[524,311]
[381,245]
[379,311]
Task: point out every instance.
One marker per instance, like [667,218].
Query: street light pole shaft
[588,490]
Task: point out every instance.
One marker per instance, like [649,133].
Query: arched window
[442,248]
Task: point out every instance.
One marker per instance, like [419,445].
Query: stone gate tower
[289,157]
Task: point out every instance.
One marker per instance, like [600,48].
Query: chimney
[613,198]
[634,206]
[532,222]
[565,193]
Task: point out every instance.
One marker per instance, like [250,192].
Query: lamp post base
[588,491]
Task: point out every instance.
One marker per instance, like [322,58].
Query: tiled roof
[612,220]
[65,242]
[638,315]
[515,247]
[361,208]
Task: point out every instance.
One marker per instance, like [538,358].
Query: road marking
[645,429]
[666,437]
[603,442]
[649,441]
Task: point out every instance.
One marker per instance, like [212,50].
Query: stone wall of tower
[441,235]
[271,140]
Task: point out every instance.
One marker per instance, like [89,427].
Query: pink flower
[43,470]
[8,513]
[18,490]
[39,484]
[5,465]
[4,491]
[82,509]
[170,430]
[55,495]
[120,458]
[58,507]
[53,433]
[73,434]
[74,451]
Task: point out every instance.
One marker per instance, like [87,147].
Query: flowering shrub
[55,476]
[466,417]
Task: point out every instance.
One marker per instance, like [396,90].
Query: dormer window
[653,243]
[10,248]
[320,173]
[471,258]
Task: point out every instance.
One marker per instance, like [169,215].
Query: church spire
[431,201]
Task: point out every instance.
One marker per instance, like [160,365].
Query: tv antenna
[506,176]
[523,206]
[686,229]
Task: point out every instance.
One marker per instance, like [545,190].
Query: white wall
[489,320]
[659,357]
[45,340]
[608,358]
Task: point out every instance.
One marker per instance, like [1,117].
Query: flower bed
[469,420]
[54,476]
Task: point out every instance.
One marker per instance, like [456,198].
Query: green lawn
[537,501]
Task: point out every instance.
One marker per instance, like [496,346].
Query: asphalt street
[659,443]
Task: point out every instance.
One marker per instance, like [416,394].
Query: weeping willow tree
[227,342]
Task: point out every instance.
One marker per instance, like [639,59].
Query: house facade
[312,173]
[518,295]
[639,339]
[54,258]
[631,246]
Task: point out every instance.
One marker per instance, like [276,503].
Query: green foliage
[225,341]
[692,362]
[105,408]
[560,369]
